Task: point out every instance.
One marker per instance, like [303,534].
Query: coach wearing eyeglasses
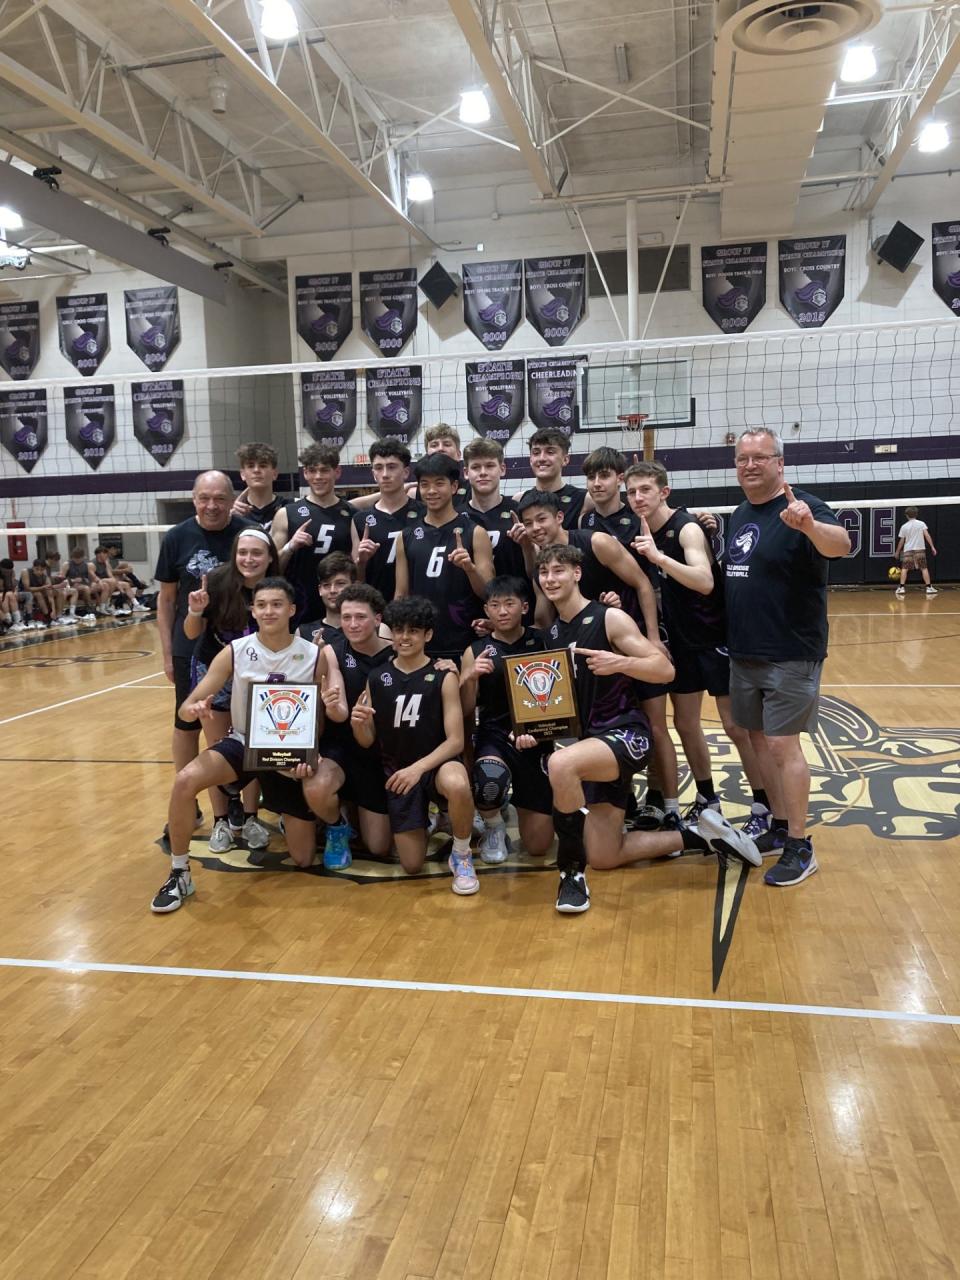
[778,544]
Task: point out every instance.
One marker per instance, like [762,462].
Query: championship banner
[492,300]
[153,323]
[83,323]
[495,398]
[734,284]
[325,312]
[556,293]
[19,338]
[395,402]
[23,425]
[91,413]
[388,308]
[945,237]
[812,278]
[158,417]
[553,392]
[329,400]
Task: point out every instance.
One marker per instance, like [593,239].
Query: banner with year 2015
[388,308]
[159,420]
[91,414]
[329,401]
[495,397]
[19,338]
[734,284]
[325,312]
[812,280]
[23,425]
[492,300]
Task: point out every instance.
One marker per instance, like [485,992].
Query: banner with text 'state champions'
[91,414]
[945,237]
[734,282]
[329,400]
[23,425]
[388,308]
[19,338]
[153,323]
[395,401]
[159,420]
[495,397]
[492,300]
[83,324]
[325,312]
[556,293]
[553,392]
[812,278]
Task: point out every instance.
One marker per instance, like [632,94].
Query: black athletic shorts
[280,794]
[699,669]
[631,746]
[529,781]
[183,685]
[410,812]
[363,771]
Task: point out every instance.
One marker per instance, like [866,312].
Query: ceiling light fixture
[278,20]
[934,136]
[419,188]
[622,59]
[217,88]
[474,107]
[10,220]
[858,64]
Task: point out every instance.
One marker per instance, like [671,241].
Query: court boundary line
[54,706]
[79,967]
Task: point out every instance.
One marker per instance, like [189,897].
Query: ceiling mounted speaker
[790,28]
[439,285]
[899,247]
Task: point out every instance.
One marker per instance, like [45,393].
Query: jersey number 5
[407,710]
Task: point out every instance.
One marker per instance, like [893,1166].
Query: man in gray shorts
[775,575]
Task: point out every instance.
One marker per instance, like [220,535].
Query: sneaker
[221,837]
[465,879]
[18,626]
[494,844]
[757,825]
[235,815]
[137,607]
[692,815]
[573,896]
[173,893]
[479,827]
[255,834]
[336,850]
[932,591]
[901,592]
[772,841]
[725,840]
[439,822]
[794,865]
[123,612]
[88,620]
[647,818]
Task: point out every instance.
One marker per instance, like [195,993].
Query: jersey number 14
[407,710]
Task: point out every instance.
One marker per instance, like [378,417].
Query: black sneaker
[772,840]
[173,892]
[793,866]
[573,895]
[725,840]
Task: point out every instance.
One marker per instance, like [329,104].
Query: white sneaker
[479,827]
[494,844]
[88,620]
[725,839]
[900,591]
[18,626]
[139,608]
[256,835]
[932,591]
[123,612]
[221,837]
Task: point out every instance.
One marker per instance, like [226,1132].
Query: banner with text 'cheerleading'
[495,397]
[91,413]
[812,278]
[492,300]
[553,392]
[329,400]
[153,323]
[23,425]
[734,283]
[395,401]
[83,325]
[388,308]
[159,420]
[19,338]
[556,293]
[945,237]
[325,312]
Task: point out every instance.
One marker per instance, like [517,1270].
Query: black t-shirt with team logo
[694,621]
[572,498]
[409,712]
[330,531]
[431,574]
[385,528]
[187,552]
[493,707]
[605,702]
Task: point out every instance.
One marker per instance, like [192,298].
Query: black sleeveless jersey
[597,579]
[356,668]
[498,521]
[460,498]
[319,632]
[693,621]
[493,708]
[385,529]
[621,524]
[262,517]
[572,498]
[432,575]
[409,713]
[330,530]
[605,702]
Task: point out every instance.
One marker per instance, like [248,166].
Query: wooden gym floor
[288,1078]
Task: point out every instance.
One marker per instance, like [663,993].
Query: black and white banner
[812,278]
[83,323]
[395,401]
[91,413]
[23,425]
[556,292]
[945,237]
[734,283]
[153,323]
[325,312]
[159,420]
[329,400]
[553,392]
[495,397]
[492,300]
[388,308]
[19,338]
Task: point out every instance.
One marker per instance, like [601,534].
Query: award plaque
[281,726]
[542,694]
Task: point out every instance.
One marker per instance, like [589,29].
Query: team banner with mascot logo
[325,312]
[19,338]
[83,324]
[91,413]
[395,401]
[153,323]
[556,292]
[553,392]
[329,400]
[812,278]
[492,300]
[945,237]
[734,283]
[388,308]
[158,417]
[23,425]
[495,398]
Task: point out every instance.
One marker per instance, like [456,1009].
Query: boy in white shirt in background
[910,546]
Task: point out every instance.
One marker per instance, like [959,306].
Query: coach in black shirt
[775,575]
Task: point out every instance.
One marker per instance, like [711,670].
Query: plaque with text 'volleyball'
[281,726]
[542,694]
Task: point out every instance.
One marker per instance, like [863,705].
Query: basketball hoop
[635,422]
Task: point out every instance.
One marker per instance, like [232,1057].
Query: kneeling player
[609,654]
[271,655]
[412,711]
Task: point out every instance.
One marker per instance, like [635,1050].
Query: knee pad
[491,783]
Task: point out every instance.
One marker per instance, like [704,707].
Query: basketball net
[635,422]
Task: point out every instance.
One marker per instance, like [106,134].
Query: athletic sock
[760,797]
[571,855]
[461,846]
[671,806]
[779,824]
[17,617]
[181,861]
[705,789]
